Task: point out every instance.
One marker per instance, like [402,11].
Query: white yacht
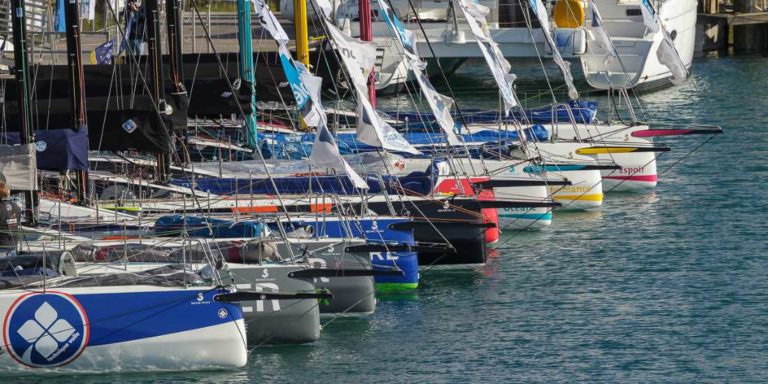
[573,30]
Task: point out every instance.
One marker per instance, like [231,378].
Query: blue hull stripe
[121,317]
[527,216]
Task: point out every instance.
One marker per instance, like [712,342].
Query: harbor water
[670,286]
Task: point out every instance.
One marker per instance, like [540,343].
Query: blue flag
[103,53]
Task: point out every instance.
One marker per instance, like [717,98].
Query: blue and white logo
[41,146]
[129,126]
[46,330]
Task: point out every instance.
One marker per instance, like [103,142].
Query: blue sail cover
[584,112]
[57,149]
[299,146]
[206,227]
[416,183]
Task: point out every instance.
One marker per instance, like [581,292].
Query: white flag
[475,14]
[306,90]
[358,58]
[268,21]
[565,67]
[325,153]
[439,104]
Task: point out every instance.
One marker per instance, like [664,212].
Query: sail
[499,66]
[565,67]
[438,103]
[306,90]
[602,39]
[358,57]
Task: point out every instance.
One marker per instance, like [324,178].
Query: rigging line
[242,112]
[340,314]
[440,67]
[687,155]
[104,120]
[527,17]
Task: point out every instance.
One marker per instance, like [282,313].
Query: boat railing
[571,118]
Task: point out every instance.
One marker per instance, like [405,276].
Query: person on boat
[10,217]
[134,26]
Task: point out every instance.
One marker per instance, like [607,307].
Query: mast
[366,34]
[22,77]
[156,78]
[79,119]
[173,24]
[244,36]
[301,31]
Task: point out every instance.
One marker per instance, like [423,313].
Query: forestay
[438,103]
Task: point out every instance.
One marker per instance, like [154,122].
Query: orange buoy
[569,13]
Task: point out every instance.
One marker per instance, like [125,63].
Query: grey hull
[277,321]
[352,296]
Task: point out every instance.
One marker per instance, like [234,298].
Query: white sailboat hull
[108,329]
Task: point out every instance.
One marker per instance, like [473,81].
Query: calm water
[666,287]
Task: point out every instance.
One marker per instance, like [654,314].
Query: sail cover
[358,57]
[438,103]
[57,149]
[499,66]
[306,91]
[18,168]
[565,67]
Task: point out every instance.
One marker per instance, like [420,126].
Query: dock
[738,25]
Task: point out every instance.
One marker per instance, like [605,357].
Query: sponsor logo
[43,330]
[267,287]
[200,299]
[41,146]
[129,126]
[223,313]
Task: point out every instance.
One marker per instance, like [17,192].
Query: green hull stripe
[389,287]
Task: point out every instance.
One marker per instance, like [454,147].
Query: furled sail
[565,67]
[358,57]
[438,103]
[499,66]
[306,91]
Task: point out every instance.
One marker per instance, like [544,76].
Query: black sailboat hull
[461,224]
